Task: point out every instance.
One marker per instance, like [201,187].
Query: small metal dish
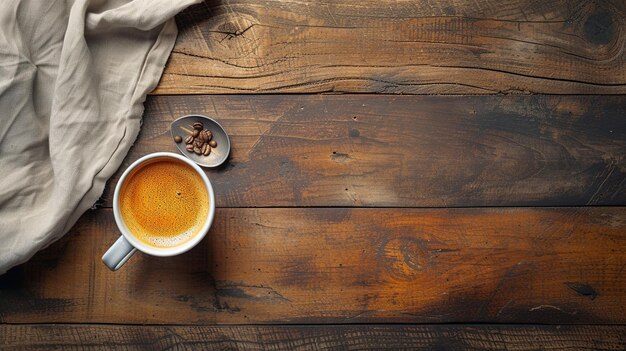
[183,126]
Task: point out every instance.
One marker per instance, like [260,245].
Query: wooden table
[404,174]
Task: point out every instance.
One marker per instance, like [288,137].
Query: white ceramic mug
[127,244]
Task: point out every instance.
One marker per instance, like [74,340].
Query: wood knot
[599,28]
[583,289]
[235,36]
[340,158]
[403,258]
[232,30]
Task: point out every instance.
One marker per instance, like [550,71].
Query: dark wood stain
[290,265]
[411,151]
[600,28]
[335,337]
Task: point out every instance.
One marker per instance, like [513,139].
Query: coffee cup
[163,206]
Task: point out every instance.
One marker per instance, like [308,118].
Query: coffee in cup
[163,205]
[164,202]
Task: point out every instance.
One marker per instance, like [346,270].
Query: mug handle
[118,254]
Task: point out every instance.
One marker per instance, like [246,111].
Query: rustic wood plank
[441,47]
[327,337]
[405,151]
[341,265]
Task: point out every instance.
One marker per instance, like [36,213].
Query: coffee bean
[178,139]
[198,143]
[197,150]
[209,135]
[213,143]
[206,150]
[205,135]
[195,133]
[198,126]
[189,148]
[189,140]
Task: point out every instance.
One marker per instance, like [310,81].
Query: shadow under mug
[127,244]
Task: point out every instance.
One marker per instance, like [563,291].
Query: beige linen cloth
[73,78]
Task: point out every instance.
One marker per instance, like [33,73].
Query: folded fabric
[73,78]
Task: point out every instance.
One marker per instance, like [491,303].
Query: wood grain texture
[404,47]
[406,151]
[328,337]
[341,265]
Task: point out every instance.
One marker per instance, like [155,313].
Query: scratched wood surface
[341,265]
[407,47]
[336,211]
[406,151]
[332,337]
